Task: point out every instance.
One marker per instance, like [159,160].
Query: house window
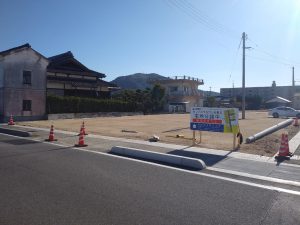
[26,77]
[26,105]
[173,89]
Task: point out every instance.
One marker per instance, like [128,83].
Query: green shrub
[56,104]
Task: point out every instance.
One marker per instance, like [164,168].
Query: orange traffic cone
[296,123]
[81,140]
[51,134]
[284,150]
[11,120]
[83,128]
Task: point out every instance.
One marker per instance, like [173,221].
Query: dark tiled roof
[15,48]
[25,46]
[62,56]
[56,60]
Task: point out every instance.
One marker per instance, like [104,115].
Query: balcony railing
[183,93]
[187,78]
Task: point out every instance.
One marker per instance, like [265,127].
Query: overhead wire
[280,59]
[269,60]
[208,19]
[191,11]
[235,60]
[209,23]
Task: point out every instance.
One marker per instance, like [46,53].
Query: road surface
[49,184]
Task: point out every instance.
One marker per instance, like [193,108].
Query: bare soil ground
[169,126]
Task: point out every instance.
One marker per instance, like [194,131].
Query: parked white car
[283,111]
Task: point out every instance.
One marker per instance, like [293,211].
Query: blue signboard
[215,119]
[207,127]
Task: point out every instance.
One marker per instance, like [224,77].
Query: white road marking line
[267,187]
[257,177]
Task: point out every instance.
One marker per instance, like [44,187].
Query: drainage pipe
[269,130]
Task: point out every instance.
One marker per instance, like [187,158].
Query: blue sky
[198,38]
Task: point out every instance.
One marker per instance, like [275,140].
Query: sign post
[224,120]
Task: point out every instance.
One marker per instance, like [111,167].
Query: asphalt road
[48,184]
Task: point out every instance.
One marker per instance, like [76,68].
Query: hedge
[56,104]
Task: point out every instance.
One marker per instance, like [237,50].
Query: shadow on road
[19,142]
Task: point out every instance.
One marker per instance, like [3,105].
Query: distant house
[182,93]
[277,101]
[66,76]
[26,77]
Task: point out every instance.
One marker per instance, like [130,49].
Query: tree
[147,101]
[211,101]
[157,98]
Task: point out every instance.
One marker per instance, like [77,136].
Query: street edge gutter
[182,161]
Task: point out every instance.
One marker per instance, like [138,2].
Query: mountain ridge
[137,80]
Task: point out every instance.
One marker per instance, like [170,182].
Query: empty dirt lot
[168,126]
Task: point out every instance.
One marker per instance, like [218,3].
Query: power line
[269,60]
[235,60]
[208,19]
[198,16]
[209,23]
[192,15]
[276,57]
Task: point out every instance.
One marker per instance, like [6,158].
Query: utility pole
[293,69]
[243,88]
[293,88]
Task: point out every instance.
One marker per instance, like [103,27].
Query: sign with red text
[225,120]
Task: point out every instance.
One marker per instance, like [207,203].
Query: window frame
[27,105]
[173,89]
[25,81]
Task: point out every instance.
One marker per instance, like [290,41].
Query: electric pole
[243,88]
[293,88]
[293,69]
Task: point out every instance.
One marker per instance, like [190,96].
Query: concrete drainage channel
[166,159]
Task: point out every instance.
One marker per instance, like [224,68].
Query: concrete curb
[18,133]
[160,157]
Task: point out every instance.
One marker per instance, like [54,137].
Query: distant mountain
[137,80]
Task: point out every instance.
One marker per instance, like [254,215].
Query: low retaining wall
[159,157]
[90,115]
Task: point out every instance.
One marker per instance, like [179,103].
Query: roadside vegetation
[56,104]
[146,101]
